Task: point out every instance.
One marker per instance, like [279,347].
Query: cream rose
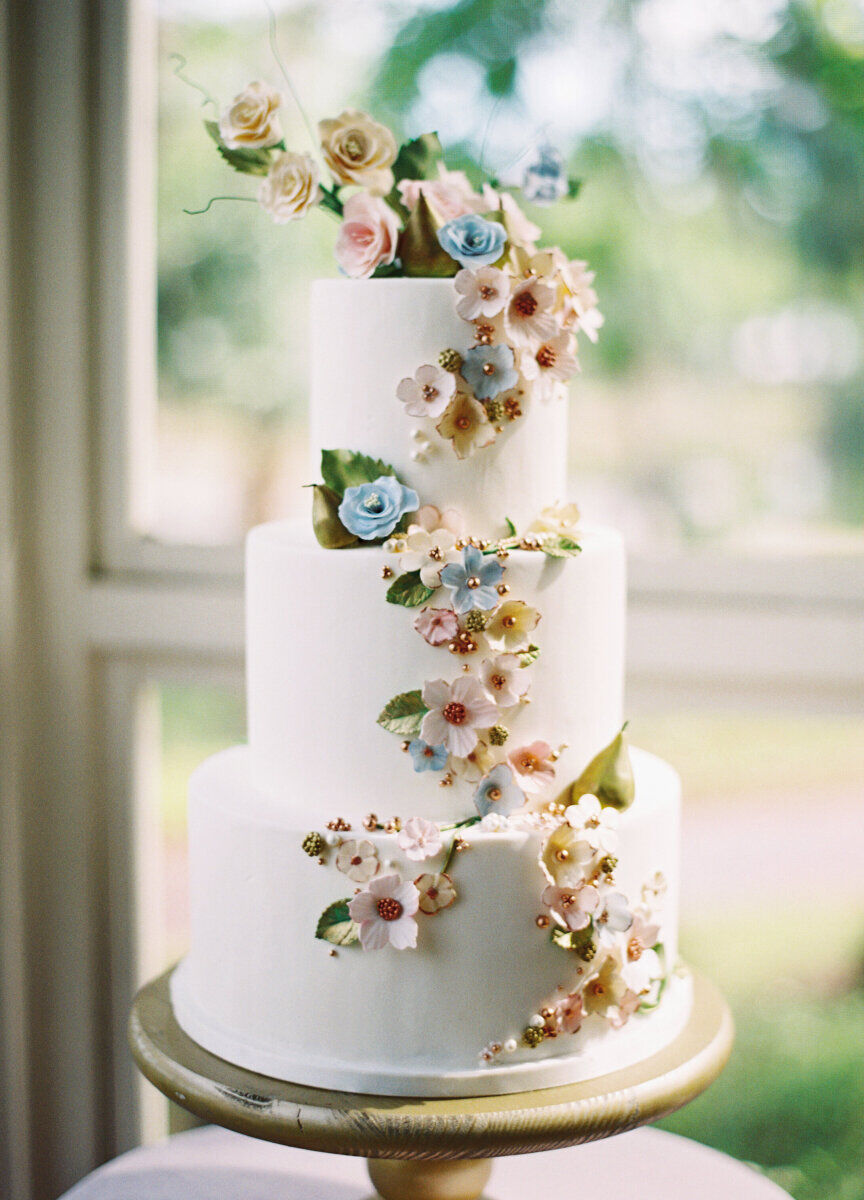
[252,120]
[368,236]
[358,150]
[291,187]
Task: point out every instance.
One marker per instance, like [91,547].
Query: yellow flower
[358,150]
[565,856]
[252,120]
[466,424]
[606,987]
[510,626]
[291,187]
[562,519]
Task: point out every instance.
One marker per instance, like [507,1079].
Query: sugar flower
[569,1013]
[473,582]
[544,180]
[358,150]
[655,889]
[368,236]
[553,362]
[251,121]
[566,856]
[373,510]
[561,519]
[472,240]
[437,625]
[504,680]
[482,293]
[498,793]
[436,892]
[426,757]
[465,423]
[627,1005]
[511,625]
[429,552]
[489,370]
[419,839]
[456,712]
[494,822]
[572,907]
[580,299]
[430,518]
[357,860]
[385,913]
[473,766]
[428,393]
[606,987]
[642,965]
[600,825]
[613,914]
[521,231]
[533,765]
[290,188]
[528,317]
[450,195]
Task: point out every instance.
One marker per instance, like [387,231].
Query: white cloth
[214,1164]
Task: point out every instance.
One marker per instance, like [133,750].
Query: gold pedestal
[435,1149]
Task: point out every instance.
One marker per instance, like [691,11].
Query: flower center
[435,552]
[546,357]
[528,763]
[373,503]
[462,422]
[472,582]
[562,855]
[635,949]
[488,368]
[525,304]
[356,860]
[389,909]
[355,146]
[508,622]
[494,794]
[498,682]
[486,291]
[597,988]
[429,392]
[455,713]
[432,892]
[429,752]
[567,899]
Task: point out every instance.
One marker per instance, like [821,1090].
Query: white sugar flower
[553,362]
[291,187]
[473,766]
[428,393]
[641,966]
[251,121]
[504,680]
[572,907]
[419,839]
[511,625]
[567,856]
[580,299]
[466,424]
[562,519]
[613,914]
[385,913]
[456,712]
[495,823]
[357,860]
[429,551]
[599,824]
[528,317]
[606,987]
[482,293]
[436,892]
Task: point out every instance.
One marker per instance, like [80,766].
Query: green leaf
[418,159]
[560,547]
[250,162]
[511,528]
[404,714]
[419,249]
[335,925]
[575,942]
[529,656]
[328,529]
[574,187]
[409,590]
[341,469]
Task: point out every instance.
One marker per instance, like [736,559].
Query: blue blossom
[472,240]
[426,757]
[473,581]
[545,179]
[498,793]
[373,510]
[484,382]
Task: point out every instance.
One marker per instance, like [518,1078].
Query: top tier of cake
[366,337]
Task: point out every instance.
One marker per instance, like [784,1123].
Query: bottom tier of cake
[487,1002]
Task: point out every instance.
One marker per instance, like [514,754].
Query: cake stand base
[428,1149]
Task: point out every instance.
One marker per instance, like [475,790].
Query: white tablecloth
[213,1164]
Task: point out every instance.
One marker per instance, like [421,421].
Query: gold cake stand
[438,1149]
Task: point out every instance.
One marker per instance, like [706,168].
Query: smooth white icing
[259,990]
[368,335]
[325,652]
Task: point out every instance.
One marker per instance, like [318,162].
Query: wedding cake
[437,868]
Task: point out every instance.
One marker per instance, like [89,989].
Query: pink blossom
[533,765]
[368,236]
[430,518]
[419,839]
[437,625]
[385,913]
[572,906]
[456,711]
[568,1013]
[451,195]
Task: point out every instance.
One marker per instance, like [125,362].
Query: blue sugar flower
[498,793]
[373,510]
[473,241]
[426,757]
[489,370]
[473,581]
[545,179]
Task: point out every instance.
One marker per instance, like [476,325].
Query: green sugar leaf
[341,469]
[409,590]
[404,714]
[335,925]
[249,161]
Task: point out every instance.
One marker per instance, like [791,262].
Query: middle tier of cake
[326,652]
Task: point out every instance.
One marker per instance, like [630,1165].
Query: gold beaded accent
[339,825]
[542,922]
[370,822]
[502,590]
[386,572]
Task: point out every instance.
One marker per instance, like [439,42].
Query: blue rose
[489,370]
[373,510]
[473,241]
[426,757]
[545,179]
[473,582]
[498,793]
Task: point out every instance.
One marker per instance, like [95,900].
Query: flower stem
[196,212]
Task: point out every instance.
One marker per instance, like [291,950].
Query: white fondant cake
[495,908]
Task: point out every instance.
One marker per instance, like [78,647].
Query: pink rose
[368,236]
[451,195]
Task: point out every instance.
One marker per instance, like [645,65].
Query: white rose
[252,119]
[291,187]
[358,150]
